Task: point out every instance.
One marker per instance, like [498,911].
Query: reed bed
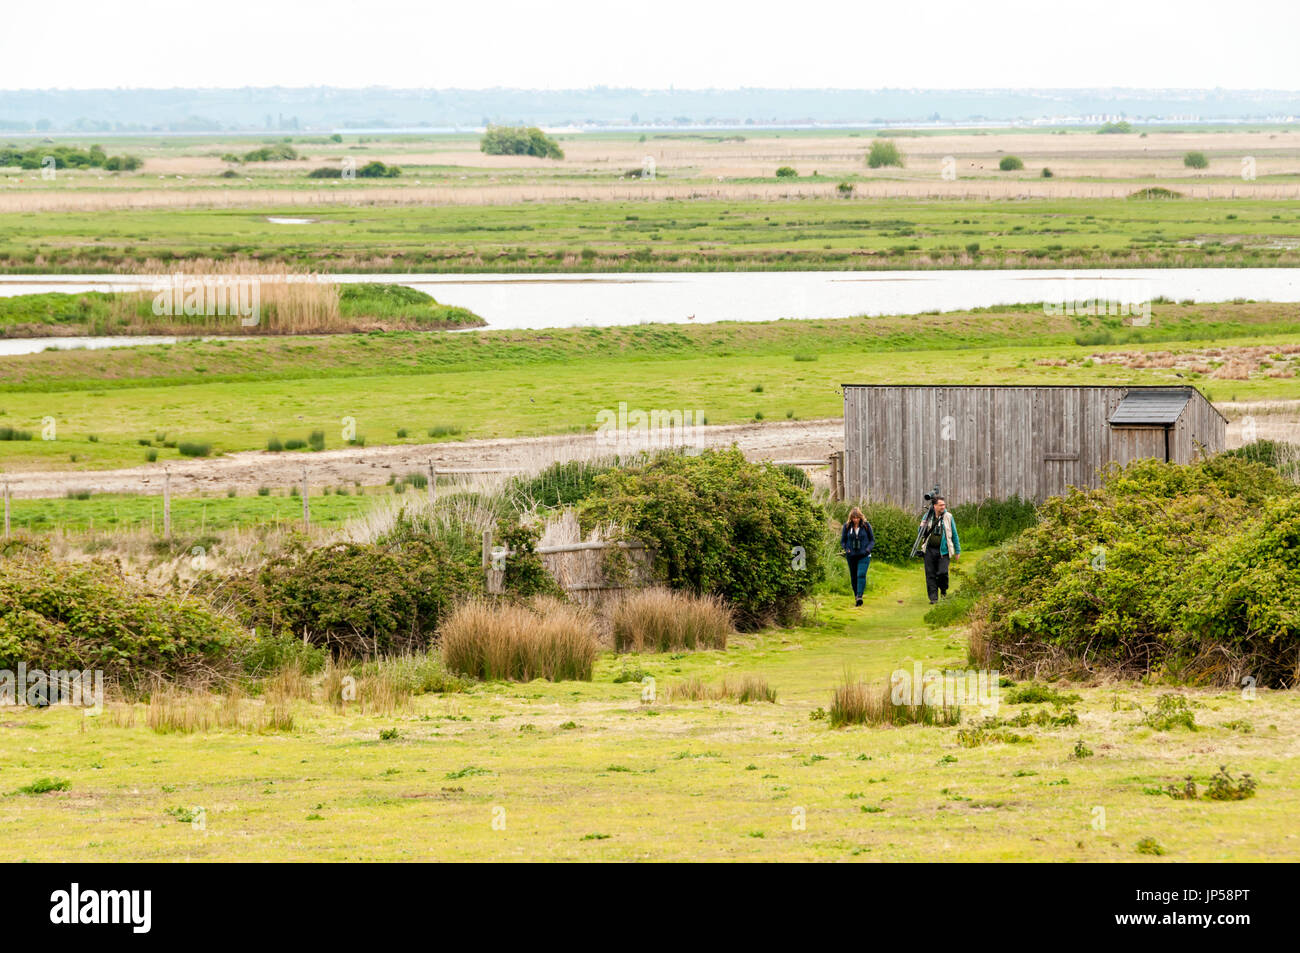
[286,300]
[173,711]
[663,620]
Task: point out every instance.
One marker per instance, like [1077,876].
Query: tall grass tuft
[663,620]
[546,638]
[857,703]
[741,689]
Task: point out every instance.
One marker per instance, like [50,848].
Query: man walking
[941,543]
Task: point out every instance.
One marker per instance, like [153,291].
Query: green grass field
[700,235]
[236,395]
[580,771]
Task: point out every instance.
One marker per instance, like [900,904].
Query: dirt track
[245,472]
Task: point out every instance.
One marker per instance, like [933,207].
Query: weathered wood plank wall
[983,443]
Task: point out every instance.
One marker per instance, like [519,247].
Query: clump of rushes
[858,703]
[664,620]
[545,638]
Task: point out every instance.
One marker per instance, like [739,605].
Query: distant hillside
[316,108]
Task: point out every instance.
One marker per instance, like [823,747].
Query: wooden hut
[994,442]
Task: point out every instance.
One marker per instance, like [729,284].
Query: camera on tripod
[927,510]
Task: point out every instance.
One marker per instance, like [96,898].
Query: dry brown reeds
[546,638]
[741,689]
[663,620]
[857,703]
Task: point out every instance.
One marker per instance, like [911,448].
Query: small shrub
[1149,845]
[1196,160]
[194,449]
[1172,711]
[1223,787]
[1080,751]
[1032,694]
[1010,164]
[787,172]
[884,152]
[317,440]
[45,786]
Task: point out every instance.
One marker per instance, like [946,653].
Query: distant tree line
[66,157]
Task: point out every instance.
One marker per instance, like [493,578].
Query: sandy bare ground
[246,471]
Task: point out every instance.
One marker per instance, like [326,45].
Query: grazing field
[120,407]
[704,233]
[585,770]
[712,201]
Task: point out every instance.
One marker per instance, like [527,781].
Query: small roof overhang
[1151,407]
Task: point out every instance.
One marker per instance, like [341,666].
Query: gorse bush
[661,620]
[1187,570]
[61,615]
[717,523]
[354,599]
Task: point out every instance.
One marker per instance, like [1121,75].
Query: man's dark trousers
[936,573]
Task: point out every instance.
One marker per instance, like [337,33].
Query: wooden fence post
[306,507]
[167,504]
[433,483]
[6,509]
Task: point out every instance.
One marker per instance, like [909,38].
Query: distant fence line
[835,462]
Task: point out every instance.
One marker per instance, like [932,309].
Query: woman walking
[857,540]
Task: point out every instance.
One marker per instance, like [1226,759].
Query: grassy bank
[281,307]
[695,235]
[109,406]
[560,762]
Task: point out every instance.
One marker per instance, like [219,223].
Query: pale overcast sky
[651,44]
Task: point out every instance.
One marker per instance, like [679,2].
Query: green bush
[787,172]
[994,521]
[519,141]
[883,153]
[560,484]
[1196,160]
[894,528]
[1276,454]
[355,599]
[1186,570]
[719,523]
[89,615]
[272,653]
[1010,163]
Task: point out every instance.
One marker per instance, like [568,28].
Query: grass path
[585,771]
